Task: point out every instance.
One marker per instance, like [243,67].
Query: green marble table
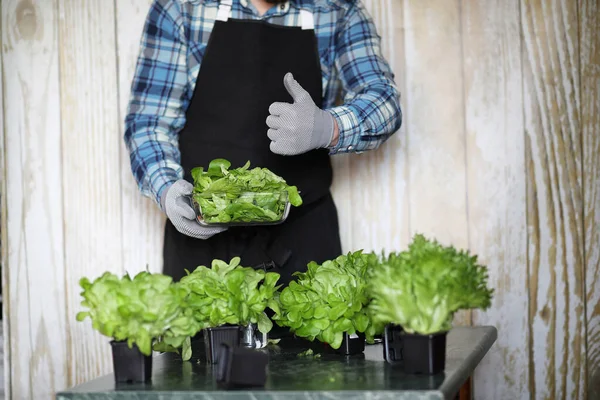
[330,376]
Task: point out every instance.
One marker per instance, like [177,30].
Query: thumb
[293,87]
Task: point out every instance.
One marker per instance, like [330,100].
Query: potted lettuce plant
[227,298]
[137,314]
[416,293]
[329,302]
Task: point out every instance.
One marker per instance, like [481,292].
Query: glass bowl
[241,209]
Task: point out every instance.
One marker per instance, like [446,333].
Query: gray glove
[177,207]
[298,127]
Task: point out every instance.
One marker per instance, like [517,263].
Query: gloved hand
[301,126]
[181,213]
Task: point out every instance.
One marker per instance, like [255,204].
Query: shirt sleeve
[371,111]
[156,109]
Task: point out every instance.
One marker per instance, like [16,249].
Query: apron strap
[306,19]
[224,11]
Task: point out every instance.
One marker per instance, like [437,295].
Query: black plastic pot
[416,354]
[352,345]
[214,337]
[424,354]
[130,365]
[392,344]
[241,367]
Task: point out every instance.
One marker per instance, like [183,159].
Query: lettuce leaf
[228,293]
[329,299]
[421,288]
[146,310]
[241,194]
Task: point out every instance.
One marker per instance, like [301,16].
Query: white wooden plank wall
[498,152]
[141,220]
[5,376]
[384,171]
[554,203]
[36,280]
[589,56]
[91,168]
[496,186]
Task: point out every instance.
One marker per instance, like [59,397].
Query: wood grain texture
[91,173]
[379,178]
[3,242]
[497,187]
[554,199]
[589,44]
[142,221]
[340,190]
[436,125]
[34,200]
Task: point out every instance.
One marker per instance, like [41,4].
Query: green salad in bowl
[241,196]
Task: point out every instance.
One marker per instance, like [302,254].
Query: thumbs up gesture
[301,126]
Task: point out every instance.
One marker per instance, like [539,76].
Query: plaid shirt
[173,43]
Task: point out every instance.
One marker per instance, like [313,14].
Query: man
[255,80]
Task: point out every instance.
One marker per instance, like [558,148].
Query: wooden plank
[589,42]
[142,222]
[554,199]
[34,199]
[6,353]
[436,126]
[341,191]
[379,193]
[91,169]
[497,186]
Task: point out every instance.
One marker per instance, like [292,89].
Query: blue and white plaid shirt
[174,39]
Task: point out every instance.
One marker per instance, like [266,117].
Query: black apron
[241,75]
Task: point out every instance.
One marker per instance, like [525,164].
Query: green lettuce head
[421,288]
[329,300]
[231,294]
[146,310]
